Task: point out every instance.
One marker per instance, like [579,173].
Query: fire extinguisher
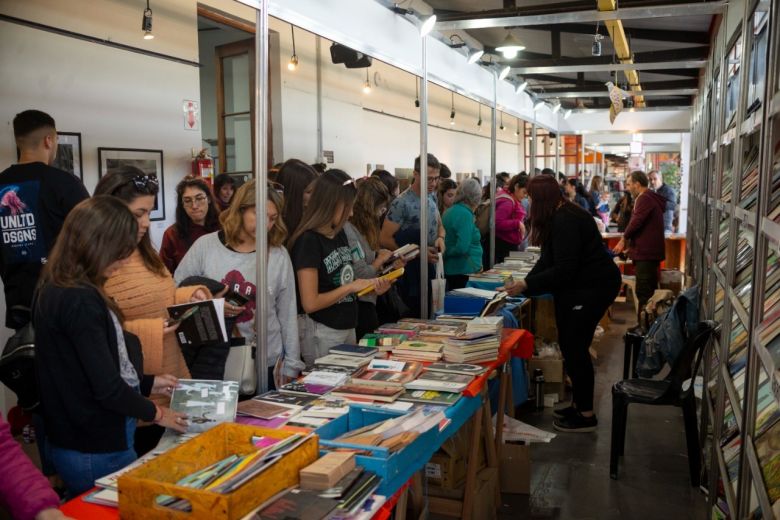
[203,166]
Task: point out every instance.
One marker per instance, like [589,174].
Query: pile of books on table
[441,383]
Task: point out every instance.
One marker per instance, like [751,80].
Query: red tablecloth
[514,342]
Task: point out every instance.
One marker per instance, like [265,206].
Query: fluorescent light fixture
[504,73]
[567,114]
[521,87]
[475,55]
[427,26]
[539,104]
[510,46]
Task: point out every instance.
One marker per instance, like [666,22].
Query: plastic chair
[665,392]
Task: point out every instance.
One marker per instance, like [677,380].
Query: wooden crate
[139,488]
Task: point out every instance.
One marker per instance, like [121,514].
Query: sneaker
[563,413]
[576,424]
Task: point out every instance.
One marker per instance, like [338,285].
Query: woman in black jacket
[90,373]
[576,269]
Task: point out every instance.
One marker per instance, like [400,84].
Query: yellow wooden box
[139,488]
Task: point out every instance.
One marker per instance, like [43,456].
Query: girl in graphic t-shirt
[322,259]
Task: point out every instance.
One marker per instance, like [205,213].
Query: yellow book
[392,275]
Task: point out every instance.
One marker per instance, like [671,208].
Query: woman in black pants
[577,270]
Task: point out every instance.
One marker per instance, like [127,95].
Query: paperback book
[202,323]
[440,381]
[206,403]
[430,397]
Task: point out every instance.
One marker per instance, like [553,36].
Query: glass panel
[723,241]
[238,143]
[768,452]
[748,197]
[720,294]
[727,173]
[743,279]
[774,199]
[235,71]
[732,83]
[757,72]
[767,411]
[769,329]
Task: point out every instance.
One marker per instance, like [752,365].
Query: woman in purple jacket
[510,215]
[23,489]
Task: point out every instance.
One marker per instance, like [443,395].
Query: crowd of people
[83,272]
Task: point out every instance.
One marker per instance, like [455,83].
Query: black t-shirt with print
[333,260]
[34,200]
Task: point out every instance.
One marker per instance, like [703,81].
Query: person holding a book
[90,372]
[368,258]
[463,248]
[229,256]
[578,271]
[197,214]
[143,289]
[327,286]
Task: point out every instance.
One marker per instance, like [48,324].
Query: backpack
[482,213]
[17,367]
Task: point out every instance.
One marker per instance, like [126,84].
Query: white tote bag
[438,287]
[240,367]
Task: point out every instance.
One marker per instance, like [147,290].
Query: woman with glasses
[90,372]
[321,255]
[368,258]
[143,289]
[196,215]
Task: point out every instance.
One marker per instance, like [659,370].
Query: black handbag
[17,366]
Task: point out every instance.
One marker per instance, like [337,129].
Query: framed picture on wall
[148,161]
[68,153]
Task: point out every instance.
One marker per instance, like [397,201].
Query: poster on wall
[148,161]
[68,153]
[191,111]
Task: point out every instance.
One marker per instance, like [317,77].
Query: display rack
[733,248]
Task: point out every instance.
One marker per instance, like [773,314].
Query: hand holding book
[167,418]
[164,384]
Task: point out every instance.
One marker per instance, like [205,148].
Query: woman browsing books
[89,372]
[229,256]
[463,250]
[143,288]
[575,267]
[327,285]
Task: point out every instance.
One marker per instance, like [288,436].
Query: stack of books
[325,472]
[485,324]
[413,350]
[472,348]
[341,363]
[383,342]
[317,382]
[440,382]
[388,373]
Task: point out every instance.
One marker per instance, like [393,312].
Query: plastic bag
[438,287]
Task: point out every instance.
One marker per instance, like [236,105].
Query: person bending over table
[576,269]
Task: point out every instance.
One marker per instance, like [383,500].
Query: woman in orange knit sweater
[143,289]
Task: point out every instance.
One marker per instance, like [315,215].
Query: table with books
[346,439]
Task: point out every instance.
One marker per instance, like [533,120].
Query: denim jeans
[79,470]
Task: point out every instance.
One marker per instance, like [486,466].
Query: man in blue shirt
[402,226]
[666,191]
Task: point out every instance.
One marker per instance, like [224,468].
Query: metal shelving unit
[734,248]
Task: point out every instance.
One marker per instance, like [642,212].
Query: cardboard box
[450,502]
[447,467]
[672,280]
[515,474]
[552,368]
[544,319]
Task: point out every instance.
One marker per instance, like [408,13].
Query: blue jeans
[79,470]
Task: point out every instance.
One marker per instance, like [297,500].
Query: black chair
[665,392]
[633,343]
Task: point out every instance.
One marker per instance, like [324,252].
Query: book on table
[457,368]
[274,396]
[308,389]
[265,409]
[353,350]
[430,397]
[342,360]
[440,381]
[205,402]
[383,342]
[202,323]
[368,392]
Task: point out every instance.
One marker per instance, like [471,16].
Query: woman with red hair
[576,269]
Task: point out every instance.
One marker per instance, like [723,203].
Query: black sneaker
[576,423]
[563,413]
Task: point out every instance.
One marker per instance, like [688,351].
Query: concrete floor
[570,475]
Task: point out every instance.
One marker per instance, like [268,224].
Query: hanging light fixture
[479,121]
[475,55]
[293,64]
[510,46]
[146,23]
[452,110]
[502,122]
[416,93]
[427,26]
[539,104]
[504,73]
[367,85]
[521,87]
[517,132]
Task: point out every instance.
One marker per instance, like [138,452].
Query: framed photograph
[148,161]
[69,153]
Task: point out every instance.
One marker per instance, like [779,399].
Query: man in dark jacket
[645,234]
[667,192]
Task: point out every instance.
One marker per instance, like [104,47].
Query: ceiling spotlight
[510,46]
[367,85]
[504,73]
[502,122]
[416,93]
[475,55]
[521,87]
[293,63]
[539,104]
[456,45]
[427,26]
[452,109]
[479,121]
[556,107]
[146,23]
[567,114]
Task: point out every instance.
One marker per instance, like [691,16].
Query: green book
[430,397]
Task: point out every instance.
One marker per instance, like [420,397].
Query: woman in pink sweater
[510,215]
[24,491]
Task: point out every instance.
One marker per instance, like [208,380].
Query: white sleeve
[287,312]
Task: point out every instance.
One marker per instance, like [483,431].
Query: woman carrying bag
[463,250]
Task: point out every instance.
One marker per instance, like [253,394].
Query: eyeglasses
[197,201]
[433,179]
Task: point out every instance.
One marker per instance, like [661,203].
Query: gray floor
[570,476]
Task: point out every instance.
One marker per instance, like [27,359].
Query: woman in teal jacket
[463,251]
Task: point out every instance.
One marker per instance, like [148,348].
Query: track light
[456,45]
[146,23]
[427,26]
[367,85]
[502,122]
[475,55]
[521,87]
[479,121]
[293,64]
[539,104]
[504,73]
[567,114]
[452,109]
[517,132]
[510,46]
[416,93]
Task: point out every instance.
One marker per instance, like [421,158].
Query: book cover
[301,388]
[206,403]
[376,393]
[280,398]
[353,350]
[430,397]
[300,504]
[419,346]
[383,378]
[317,377]
[382,340]
[203,327]
[768,452]
[262,409]
[457,368]
[342,360]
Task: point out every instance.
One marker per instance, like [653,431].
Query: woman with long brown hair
[575,267]
[327,287]
[296,178]
[197,214]
[143,289]
[362,232]
[90,373]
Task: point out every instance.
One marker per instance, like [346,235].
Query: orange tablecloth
[514,342]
